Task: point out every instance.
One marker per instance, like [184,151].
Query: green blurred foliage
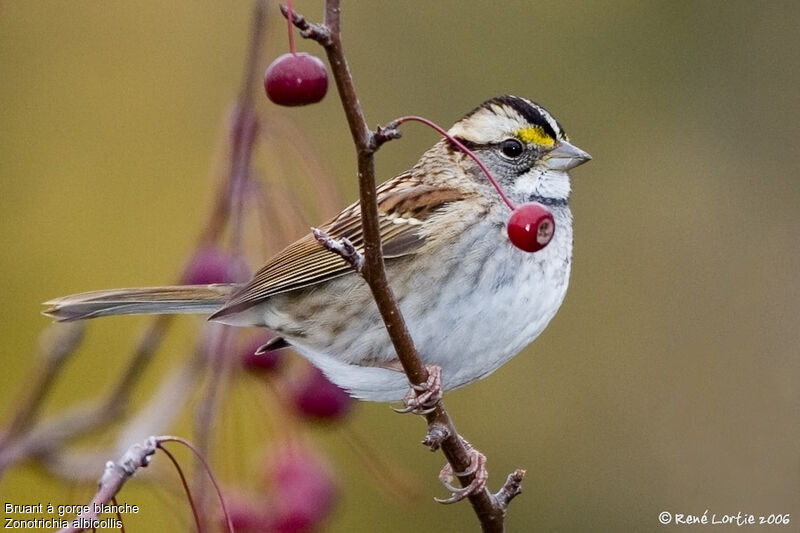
[668,381]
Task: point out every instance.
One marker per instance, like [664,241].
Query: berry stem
[461,147]
[159,443]
[185,484]
[289,18]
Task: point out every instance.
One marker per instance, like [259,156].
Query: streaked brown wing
[403,205]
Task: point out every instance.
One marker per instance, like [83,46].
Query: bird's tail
[142,301]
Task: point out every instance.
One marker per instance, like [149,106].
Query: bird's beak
[565,156]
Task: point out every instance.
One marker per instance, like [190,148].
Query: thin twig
[159,443]
[186,489]
[511,489]
[316,32]
[342,247]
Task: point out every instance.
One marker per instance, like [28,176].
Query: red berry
[296,79]
[208,265]
[316,397]
[531,227]
[263,363]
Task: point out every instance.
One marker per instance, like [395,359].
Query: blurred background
[670,379]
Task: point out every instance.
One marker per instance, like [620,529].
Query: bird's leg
[423,398]
[477,467]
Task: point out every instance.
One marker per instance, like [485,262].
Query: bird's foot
[423,398]
[477,467]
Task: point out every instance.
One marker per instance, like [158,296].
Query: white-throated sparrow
[471,300]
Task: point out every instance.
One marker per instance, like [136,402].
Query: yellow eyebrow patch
[535,135]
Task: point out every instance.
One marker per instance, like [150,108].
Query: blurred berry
[261,363]
[314,396]
[208,265]
[303,490]
[245,512]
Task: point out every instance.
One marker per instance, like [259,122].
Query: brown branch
[442,432]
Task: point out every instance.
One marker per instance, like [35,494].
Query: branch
[511,489]
[344,248]
[442,432]
[114,476]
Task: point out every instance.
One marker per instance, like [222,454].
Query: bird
[471,299]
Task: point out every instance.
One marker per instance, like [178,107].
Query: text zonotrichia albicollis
[471,300]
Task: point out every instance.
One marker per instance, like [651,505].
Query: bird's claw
[477,466]
[423,399]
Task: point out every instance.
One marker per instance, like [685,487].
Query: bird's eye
[511,148]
